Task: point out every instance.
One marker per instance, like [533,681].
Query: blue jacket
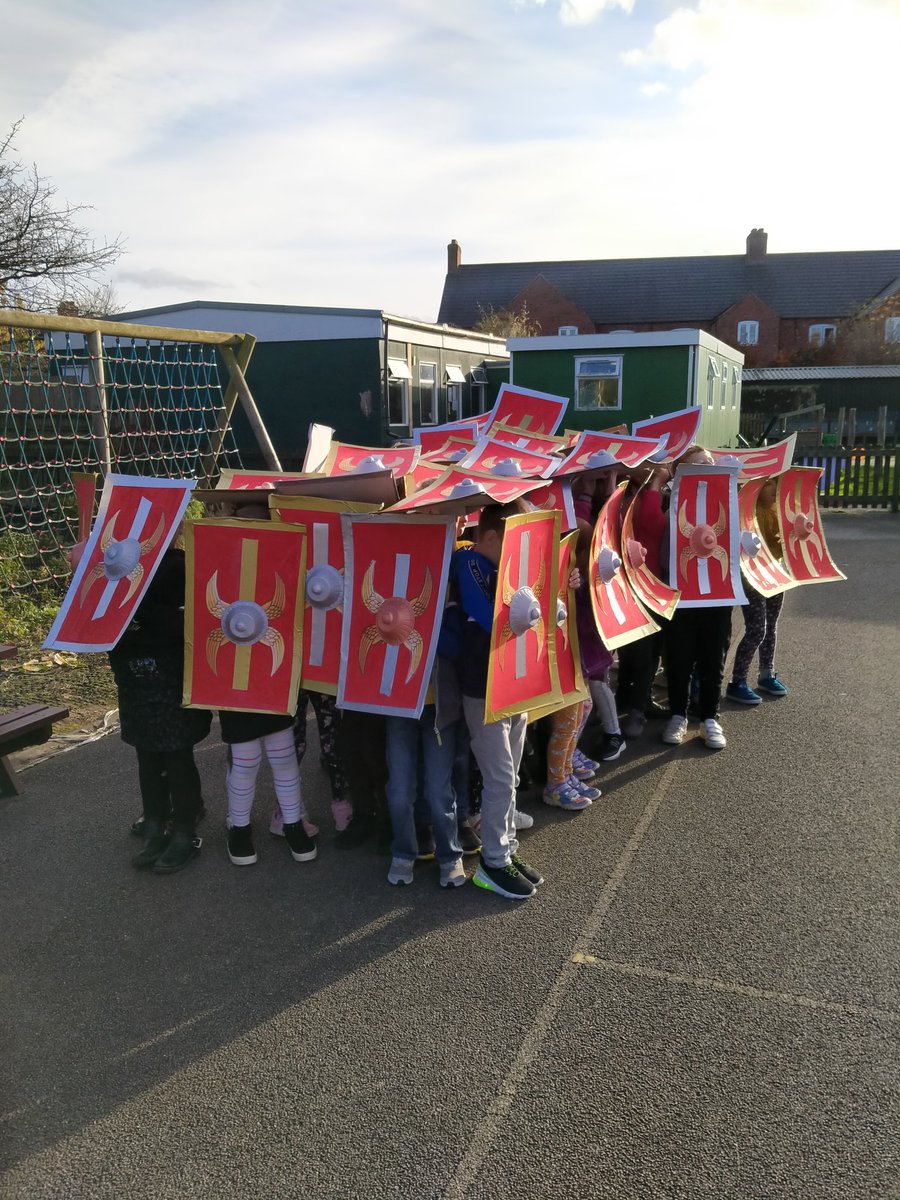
[473,585]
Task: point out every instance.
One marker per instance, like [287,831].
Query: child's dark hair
[493,516]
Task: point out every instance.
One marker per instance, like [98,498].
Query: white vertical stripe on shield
[401,580]
[140,519]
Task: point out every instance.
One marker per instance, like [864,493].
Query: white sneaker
[401,872]
[521,820]
[452,874]
[713,735]
[676,728]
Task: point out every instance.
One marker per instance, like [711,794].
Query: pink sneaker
[276,825]
[342,811]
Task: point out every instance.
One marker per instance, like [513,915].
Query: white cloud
[579,12]
[653,89]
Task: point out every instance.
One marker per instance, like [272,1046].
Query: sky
[324,152]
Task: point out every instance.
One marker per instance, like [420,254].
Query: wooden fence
[856,478]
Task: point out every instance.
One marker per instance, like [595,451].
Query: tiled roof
[636,290]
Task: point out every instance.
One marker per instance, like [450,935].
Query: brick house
[778,308]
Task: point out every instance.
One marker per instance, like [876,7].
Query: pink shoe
[276,825]
[311,830]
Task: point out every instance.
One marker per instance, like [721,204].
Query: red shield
[704,537]
[655,595]
[499,458]
[324,584]
[458,490]
[522,440]
[396,581]
[243,615]
[805,550]
[522,408]
[353,460]
[760,567]
[762,462]
[522,667]
[619,614]
[678,428]
[242,481]
[136,521]
[556,495]
[629,451]
[425,473]
[447,448]
[432,439]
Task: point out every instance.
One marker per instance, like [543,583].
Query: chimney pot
[454,257]
[757,241]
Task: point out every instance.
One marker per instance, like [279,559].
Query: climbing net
[135,406]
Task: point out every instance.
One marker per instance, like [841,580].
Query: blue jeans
[407,741]
[459,777]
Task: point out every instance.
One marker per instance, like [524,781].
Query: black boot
[177,854]
[156,839]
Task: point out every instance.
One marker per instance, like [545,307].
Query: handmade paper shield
[805,550]
[324,583]
[678,428]
[761,569]
[655,595]
[243,615]
[424,473]
[395,589]
[620,616]
[522,408]
[557,494]
[589,451]
[233,480]
[447,449]
[762,462]
[433,438]
[136,521]
[458,490]
[499,458]
[353,460]
[704,538]
[540,443]
[522,670]
[568,655]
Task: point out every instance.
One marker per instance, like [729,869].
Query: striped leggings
[241,778]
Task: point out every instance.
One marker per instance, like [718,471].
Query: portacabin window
[820,334]
[399,376]
[598,383]
[478,389]
[428,404]
[735,384]
[748,333]
[712,379]
[455,381]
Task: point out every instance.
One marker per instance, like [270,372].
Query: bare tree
[506,322]
[45,253]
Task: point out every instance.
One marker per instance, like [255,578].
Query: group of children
[446,782]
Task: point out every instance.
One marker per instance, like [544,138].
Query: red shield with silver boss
[619,615]
[704,537]
[761,569]
[806,553]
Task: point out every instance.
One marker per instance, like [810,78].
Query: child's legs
[183,780]
[637,666]
[679,648]
[154,785]
[767,645]
[282,758]
[438,753]
[605,704]
[240,782]
[402,752]
[754,613]
[712,638]
[461,773]
[328,719]
[561,746]
[498,751]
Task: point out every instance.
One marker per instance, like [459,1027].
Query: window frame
[618,360]
[428,385]
[713,376]
[823,330]
[399,376]
[751,330]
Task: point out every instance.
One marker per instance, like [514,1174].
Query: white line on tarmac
[738,989]
[487,1132]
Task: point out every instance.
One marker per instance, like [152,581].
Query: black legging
[638,662]
[170,787]
[697,641]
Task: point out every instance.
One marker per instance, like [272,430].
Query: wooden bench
[7,651]
[30,725]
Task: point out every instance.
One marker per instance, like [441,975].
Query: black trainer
[240,846]
[612,746]
[505,881]
[156,838]
[183,847]
[532,874]
[303,847]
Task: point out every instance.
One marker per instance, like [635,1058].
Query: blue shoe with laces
[741,693]
[772,684]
